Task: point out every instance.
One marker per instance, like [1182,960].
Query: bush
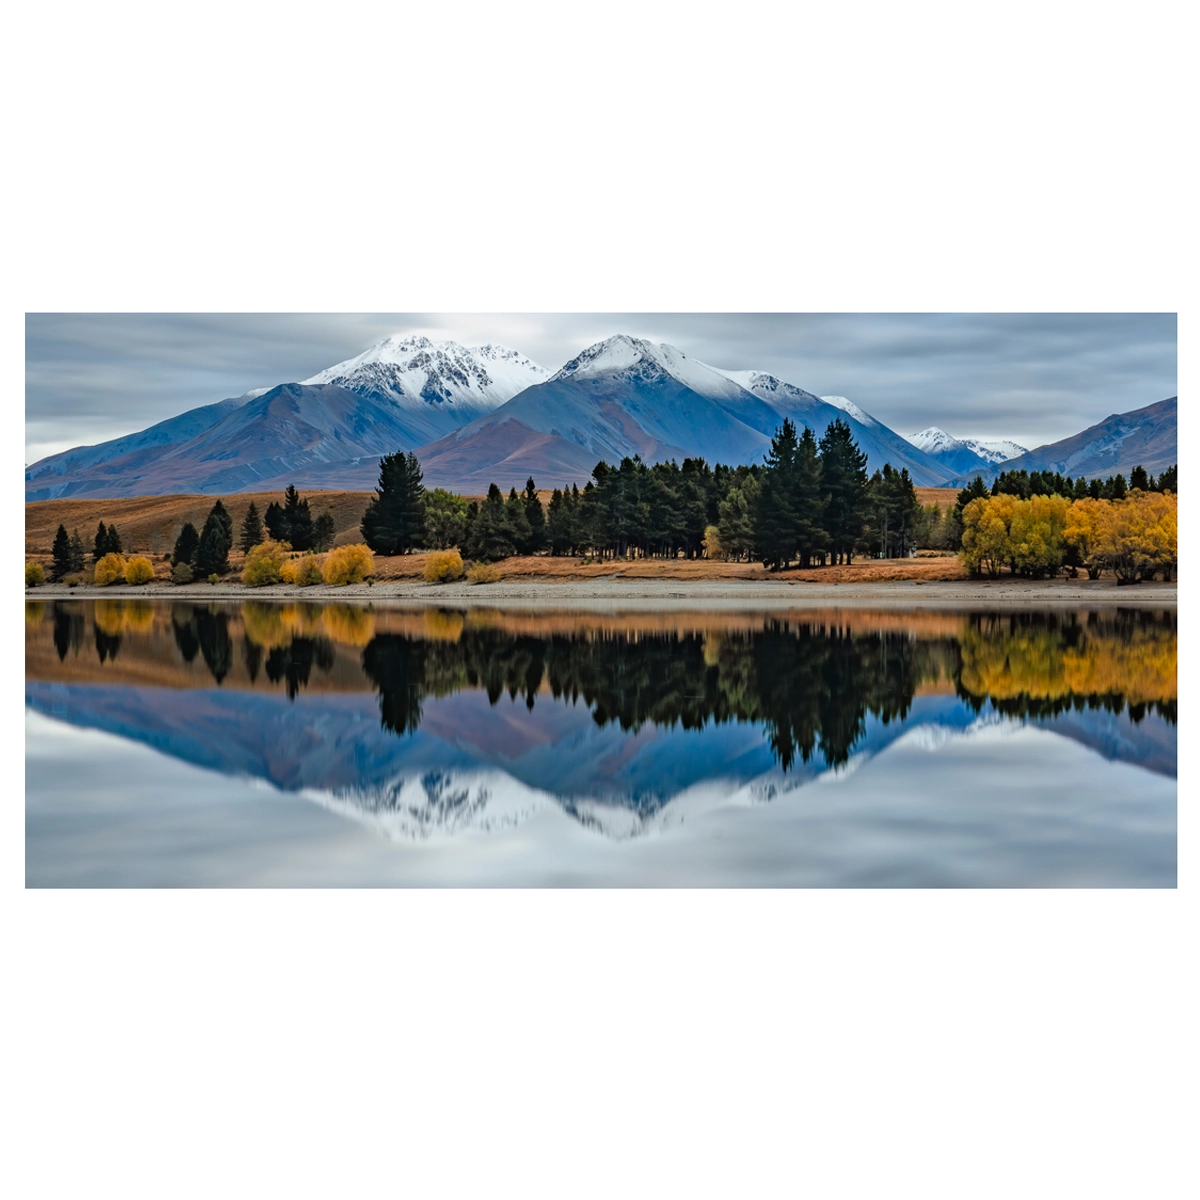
[139,570]
[214,579]
[182,574]
[264,563]
[348,564]
[485,573]
[35,576]
[302,572]
[109,569]
[443,566]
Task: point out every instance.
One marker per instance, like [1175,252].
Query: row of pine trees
[811,502]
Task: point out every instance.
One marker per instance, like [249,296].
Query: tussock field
[150,524]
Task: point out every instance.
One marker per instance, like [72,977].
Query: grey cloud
[1031,377]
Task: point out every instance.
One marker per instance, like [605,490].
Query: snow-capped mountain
[936,441]
[452,383]
[626,396]
[962,456]
[848,406]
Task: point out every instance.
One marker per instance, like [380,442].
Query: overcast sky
[1030,377]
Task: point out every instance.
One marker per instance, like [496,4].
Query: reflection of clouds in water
[1017,806]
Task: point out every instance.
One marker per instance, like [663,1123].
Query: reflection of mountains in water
[481,727]
[474,767]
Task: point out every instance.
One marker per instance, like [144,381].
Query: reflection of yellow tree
[116,617]
[348,625]
[270,625]
[1044,663]
[35,612]
[442,626]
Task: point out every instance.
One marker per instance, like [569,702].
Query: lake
[293,744]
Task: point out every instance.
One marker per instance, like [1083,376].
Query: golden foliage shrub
[348,564]
[182,573]
[712,543]
[139,570]
[443,566]
[485,573]
[302,572]
[264,563]
[109,569]
[35,575]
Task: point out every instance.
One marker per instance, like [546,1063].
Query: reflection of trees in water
[69,630]
[204,629]
[1043,664]
[812,688]
[294,662]
[107,644]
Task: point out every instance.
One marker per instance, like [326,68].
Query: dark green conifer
[60,554]
[394,522]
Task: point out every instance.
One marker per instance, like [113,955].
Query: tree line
[810,503]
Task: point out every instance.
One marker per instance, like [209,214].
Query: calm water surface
[304,744]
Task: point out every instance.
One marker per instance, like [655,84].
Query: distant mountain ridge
[1147,437]
[960,456]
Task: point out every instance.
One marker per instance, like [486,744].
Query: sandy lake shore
[609,591]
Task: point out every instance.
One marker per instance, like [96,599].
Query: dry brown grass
[944,498]
[150,524]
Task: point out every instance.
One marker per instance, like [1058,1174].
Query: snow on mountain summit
[625,355]
[414,371]
[848,406]
[938,442]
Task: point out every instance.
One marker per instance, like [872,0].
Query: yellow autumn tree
[1139,535]
[986,545]
[443,566]
[1035,535]
[1084,519]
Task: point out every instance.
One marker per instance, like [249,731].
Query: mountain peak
[415,372]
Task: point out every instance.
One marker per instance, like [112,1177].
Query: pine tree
[536,515]
[844,482]
[1138,479]
[1168,481]
[185,545]
[273,520]
[807,502]
[558,524]
[297,520]
[491,536]
[77,553]
[395,518]
[323,531]
[113,541]
[518,522]
[774,517]
[100,544]
[252,530]
[216,540]
[61,555]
